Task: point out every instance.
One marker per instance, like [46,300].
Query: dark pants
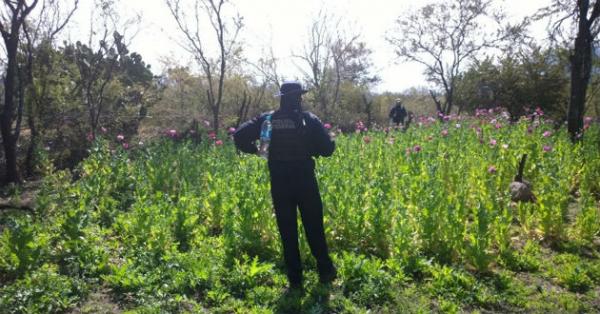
[397,121]
[293,185]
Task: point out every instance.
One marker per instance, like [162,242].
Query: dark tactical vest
[289,137]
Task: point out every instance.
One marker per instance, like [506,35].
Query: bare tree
[317,57]
[331,57]
[267,67]
[249,100]
[189,21]
[579,20]
[12,20]
[443,36]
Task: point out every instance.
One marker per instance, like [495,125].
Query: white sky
[284,25]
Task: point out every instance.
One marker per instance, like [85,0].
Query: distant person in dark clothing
[398,113]
[297,136]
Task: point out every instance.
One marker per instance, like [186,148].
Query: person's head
[290,94]
[398,102]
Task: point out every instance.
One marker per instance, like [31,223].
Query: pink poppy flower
[360,126]
[492,169]
[547,148]
[493,142]
[231,130]
[547,134]
[539,111]
[327,126]
[125,145]
[444,132]
[172,133]
[367,139]
[218,142]
[417,148]
[120,137]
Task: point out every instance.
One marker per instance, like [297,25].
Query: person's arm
[247,134]
[323,144]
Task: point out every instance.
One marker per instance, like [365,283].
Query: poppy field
[417,221]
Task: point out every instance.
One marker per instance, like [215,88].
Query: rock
[521,192]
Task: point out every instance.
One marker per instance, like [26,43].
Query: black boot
[328,277]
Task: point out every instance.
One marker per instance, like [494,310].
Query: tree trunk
[7,118]
[581,65]
[449,102]
[216,119]
[10,153]
[30,159]
[243,108]
[368,110]
[438,104]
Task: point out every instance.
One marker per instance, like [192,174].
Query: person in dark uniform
[296,138]
[398,113]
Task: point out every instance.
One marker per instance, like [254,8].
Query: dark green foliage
[574,273]
[42,291]
[528,260]
[79,91]
[531,79]
[21,248]
[365,280]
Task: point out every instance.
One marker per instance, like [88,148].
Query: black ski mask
[291,96]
